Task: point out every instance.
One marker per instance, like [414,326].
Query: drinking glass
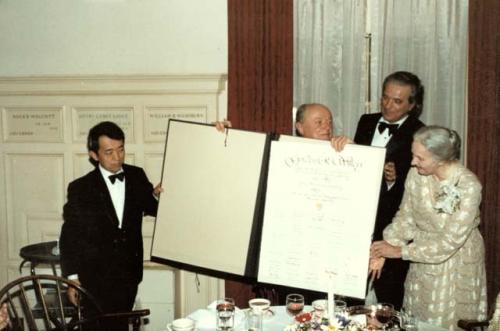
[225,314]
[408,321]
[254,320]
[320,308]
[384,313]
[294,303]
[340,308]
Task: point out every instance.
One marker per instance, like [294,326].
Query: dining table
[275,320]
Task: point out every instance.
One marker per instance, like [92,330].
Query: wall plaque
[156,119]
[84,118]
[24,124]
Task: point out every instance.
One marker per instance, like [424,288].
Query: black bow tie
[392,127]
[118,176]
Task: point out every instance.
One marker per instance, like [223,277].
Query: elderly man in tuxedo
[393,128]
[101,237]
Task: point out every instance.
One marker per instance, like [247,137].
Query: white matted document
[319,215]
[211,199]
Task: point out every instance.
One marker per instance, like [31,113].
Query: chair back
[495,320]
[39,302]
[491,325]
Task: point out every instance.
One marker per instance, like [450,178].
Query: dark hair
[417,89]
[108,129]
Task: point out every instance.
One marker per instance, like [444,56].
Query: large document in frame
[210,208]
[319,215]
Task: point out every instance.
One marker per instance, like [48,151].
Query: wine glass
[384,313]
[294,303]
[225,313]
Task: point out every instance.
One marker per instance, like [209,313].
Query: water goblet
[225,314]
[384,313]
[294,303]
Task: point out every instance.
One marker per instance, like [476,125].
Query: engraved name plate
[86,117]
[156,119]
[35,124]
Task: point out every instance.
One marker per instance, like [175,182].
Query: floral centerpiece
[309,322]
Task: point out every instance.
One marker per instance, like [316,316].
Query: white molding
[113,84]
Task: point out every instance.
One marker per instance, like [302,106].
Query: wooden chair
[473,325]
[39,302]
[491,325]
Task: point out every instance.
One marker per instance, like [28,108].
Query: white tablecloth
[205,320]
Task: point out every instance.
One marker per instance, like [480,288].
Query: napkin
[205,319]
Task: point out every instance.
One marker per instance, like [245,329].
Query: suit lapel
[105,197]
[369,130]
[401,137]
[128,197]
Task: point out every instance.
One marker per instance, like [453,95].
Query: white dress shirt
[116,191]
[381,139]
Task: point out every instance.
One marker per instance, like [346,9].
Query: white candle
[331,300]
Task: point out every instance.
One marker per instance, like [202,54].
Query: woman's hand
[384,249]
[375,267]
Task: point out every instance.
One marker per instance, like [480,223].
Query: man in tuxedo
[101,237]
[393,128]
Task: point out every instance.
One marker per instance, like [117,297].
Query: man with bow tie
[393,128]
[101,237]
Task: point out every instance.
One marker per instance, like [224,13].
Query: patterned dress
[437,228]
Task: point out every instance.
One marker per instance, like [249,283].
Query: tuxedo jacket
[91,243]
[398,150]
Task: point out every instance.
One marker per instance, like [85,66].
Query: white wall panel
[34,184]
[54,115]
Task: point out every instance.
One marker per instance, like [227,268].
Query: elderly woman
[436,228]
